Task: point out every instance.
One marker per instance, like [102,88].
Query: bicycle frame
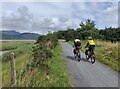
[78,55]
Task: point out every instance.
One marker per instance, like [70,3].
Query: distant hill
[9,35]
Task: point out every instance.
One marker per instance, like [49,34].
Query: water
[1,52]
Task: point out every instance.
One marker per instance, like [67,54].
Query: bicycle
[90,55]
[77,53]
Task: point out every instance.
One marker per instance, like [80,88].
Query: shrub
[43,49]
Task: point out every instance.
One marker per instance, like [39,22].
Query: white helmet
[90,38]
[77,40]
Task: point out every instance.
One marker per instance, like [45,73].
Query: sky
[41,17]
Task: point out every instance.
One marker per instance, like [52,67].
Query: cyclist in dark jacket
[77,45]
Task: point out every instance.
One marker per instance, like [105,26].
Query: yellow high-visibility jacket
[91,42]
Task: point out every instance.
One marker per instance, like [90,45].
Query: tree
[88,25]
[88,29]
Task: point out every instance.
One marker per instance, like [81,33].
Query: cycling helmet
[77,40]
[90,38]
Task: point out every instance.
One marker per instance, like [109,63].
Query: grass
[21,57]
[106,52]
[10,45]
[59,70]
[21,63]
[17,47]
[55,76]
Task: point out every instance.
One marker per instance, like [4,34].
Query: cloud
[108,17]
[23,20]
[18,20]
[41,17]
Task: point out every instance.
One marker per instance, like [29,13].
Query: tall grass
[21,63]
[22,57]
[107,53]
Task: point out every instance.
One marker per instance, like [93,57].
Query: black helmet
[90,38]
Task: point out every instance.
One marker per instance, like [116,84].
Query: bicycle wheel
[88,55]
[92,59]
[79,56]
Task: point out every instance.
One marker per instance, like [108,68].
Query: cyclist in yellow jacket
[90,45]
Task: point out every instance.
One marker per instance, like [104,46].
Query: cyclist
[77,45]
[90,45]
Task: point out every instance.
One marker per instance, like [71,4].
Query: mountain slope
[17,35]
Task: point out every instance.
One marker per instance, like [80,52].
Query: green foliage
[110,34]
[88,29]
[70,34]
[88,25]
[40,54]
[42,51]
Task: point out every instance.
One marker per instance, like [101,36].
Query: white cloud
[108,17]
[18,20]
[22,20]
[42,17]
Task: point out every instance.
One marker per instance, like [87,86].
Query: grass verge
[55,76]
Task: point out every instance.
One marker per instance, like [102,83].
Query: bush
[42,51]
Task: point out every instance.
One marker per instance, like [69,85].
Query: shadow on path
[75,59]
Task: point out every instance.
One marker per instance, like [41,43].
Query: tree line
[89,29]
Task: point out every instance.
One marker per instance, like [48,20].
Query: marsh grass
[10,45]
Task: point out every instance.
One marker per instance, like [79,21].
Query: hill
[17,35]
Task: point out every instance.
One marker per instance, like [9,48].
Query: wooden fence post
[13,70]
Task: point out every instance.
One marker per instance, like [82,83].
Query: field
[10,45]
[21,50]
[55,76]
[106,52]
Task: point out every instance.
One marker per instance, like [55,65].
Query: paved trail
[86,74]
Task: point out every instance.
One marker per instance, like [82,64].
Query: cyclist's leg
[86,52]
[92,48]
[74,51]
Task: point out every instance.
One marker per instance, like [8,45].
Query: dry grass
[107,53]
